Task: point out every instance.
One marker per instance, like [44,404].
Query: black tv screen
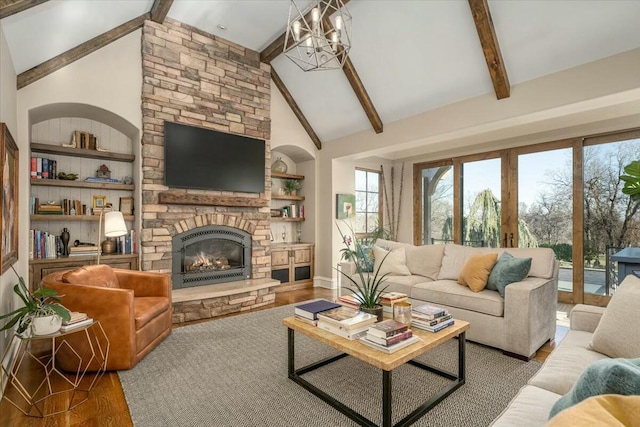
[210,160]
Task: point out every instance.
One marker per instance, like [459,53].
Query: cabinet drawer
[302,255]
[280,257]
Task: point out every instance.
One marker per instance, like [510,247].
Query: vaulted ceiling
[407,57]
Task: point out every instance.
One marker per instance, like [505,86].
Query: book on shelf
[83,249]
[430,311]
[76,316]
[436,328]
[392,348]
[311,309]
[351,334]
[388,328]
[392,339]
[347,318]
[429,323]
[86,322]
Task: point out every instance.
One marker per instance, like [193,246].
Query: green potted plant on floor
[368,286]
[42,310]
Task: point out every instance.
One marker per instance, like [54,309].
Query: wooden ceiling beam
[294,107]
[11,7]
[490,47]
[160,9]
[80,51]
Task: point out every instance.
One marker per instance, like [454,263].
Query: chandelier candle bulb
[296,31]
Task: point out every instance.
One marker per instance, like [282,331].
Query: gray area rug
[233,372]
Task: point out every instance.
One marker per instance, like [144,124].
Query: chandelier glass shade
[318,37]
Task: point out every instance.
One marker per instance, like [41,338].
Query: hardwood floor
[107,406]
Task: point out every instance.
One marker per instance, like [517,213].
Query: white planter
[46,325]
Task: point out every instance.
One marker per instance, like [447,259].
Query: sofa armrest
[347,267]
[144,283]
[585,317]
[530,314]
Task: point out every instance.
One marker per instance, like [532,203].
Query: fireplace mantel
[182,198]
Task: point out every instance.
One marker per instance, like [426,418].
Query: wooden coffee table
[386,362]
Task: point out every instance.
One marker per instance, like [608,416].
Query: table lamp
[114,226]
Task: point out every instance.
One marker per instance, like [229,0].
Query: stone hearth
[206,302]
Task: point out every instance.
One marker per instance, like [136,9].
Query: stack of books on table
[308,312]
[346,322]
[78,320]
[349,301]
[430,318]
[389,336]
[387,300]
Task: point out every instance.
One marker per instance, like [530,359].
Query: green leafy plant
[632,180]
[39,303]
[291,185]
[369,287]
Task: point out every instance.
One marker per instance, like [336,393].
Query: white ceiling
[411,55]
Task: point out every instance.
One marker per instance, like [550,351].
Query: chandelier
[320,37]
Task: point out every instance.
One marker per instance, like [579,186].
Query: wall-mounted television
[206,159]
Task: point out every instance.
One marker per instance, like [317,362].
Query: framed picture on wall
[126,205]
[99,201]
[8,199]
[345,206]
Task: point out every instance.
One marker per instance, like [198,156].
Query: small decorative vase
[279,166]
[46,325]
[64,236]
[377,310]
[109,246]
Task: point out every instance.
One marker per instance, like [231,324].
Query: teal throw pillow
[507,270]
[365,262]
[607,376]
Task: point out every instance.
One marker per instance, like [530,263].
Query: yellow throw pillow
[476,270]
[603,410]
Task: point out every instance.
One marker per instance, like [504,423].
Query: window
[368,201]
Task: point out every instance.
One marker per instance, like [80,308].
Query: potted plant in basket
[42,310]
[290,186]
[369,285]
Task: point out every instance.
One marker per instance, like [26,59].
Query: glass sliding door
[611,219]
[481,190]
[545,207]
[437,205]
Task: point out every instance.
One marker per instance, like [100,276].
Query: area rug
[233,372]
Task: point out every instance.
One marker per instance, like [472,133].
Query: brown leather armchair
[133,307]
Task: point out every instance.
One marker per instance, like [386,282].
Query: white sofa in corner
[520,323]
[596,333]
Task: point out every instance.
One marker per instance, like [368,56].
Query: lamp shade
[114,225]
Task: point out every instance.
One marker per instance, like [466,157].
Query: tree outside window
[368,201]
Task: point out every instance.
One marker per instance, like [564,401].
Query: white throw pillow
[617,334]
[395,263]
[455,256]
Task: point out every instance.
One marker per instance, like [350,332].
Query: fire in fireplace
[210,254]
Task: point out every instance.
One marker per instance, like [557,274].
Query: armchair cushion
[92,275]
[148,308]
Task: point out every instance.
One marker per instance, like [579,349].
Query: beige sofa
[596,333]
[520,323]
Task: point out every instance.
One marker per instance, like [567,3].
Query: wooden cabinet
[38,268]
[292,263]
[280,201]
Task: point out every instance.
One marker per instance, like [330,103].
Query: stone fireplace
[209,255]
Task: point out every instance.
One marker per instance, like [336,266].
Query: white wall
[285,126]
[8,95]
[596,97]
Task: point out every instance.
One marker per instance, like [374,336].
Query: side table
[51,374]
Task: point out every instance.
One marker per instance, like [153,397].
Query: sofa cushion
[148,308]
[617,334]
[425,260]
[450,293]
[390,262]
[530,408]
[92,275]
[454,258]
[506,271]
[611,410]
[607,376]
[476,270]
[565,364]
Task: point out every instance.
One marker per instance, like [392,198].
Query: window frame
[360,235]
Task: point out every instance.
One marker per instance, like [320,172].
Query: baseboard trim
[325,282]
